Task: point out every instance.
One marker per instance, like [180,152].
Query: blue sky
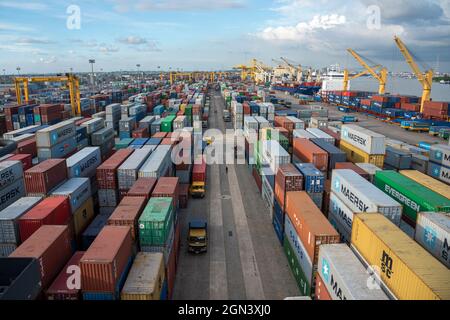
[217,34]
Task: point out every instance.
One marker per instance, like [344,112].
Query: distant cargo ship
[306,88]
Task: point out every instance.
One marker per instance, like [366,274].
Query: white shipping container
[55,134]
[370,168]
[362,196]
[179,123]
[262,122]
[433,233]
[274,154]
[11,193]
[158,163]
[300,133]
[11,134]
[250,123]
[440,153]
[321,135]
[344,275]
[342,213]
[10,172]
[366,140]
[77,189]
[22,137]
[113,109]
[84,162]
[127,173]
[93,125]
[9,226]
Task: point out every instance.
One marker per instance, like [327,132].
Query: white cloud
[27,41]
[32,6]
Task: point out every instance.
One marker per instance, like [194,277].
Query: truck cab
[197,189]
[198,236]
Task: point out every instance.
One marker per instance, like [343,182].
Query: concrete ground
[245,260]
[389,130]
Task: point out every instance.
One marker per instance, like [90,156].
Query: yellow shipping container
[146,277]
[356,155]
[428,182]
[83,216]
[408,270]
[182,107]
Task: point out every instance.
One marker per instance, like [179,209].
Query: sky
[57,35]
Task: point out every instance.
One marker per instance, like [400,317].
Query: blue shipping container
[313,179]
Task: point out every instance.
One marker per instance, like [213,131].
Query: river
[439,92]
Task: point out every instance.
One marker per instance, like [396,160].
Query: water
[439,92]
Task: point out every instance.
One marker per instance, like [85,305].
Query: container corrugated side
[45,176]
[11,193]
[366,140]
[408,271]
[356,155]
[156,222]
[428,182]
[414,197]
[127,173]
[439,172]
[344,275]
[53,135]
[433,233]
[60,150]
[107,172]
[157,163]
[10,172]
[77,189]
[362,196]
[23,278]
[84,162]
[440,153]
[297,272]
[146,277]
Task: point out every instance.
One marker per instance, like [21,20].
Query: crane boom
[347,77]
[382,77]
[426,78]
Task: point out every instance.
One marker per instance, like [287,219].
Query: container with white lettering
[84,162]
[440,153]
[60,150]
[362,196]
[366,140]
[77,189]
[55,134]
[10,172]
[344,276]
[439,172]
[340,228]
[342,213]
[11,193]
[274,154]
[433,233]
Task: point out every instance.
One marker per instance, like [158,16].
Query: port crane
[381,76]
[347,76]
[263,72]
[425,78]
[297,72]
[71,80]
[246,71]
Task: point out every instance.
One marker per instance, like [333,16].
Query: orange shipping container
[311,225]
[128,213]
[307,151]
[321,292]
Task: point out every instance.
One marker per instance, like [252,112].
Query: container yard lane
[244,259]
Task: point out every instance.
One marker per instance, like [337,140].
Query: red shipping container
[59,290]
[285,123]
[380,98]
[415,107]
[258,179]
[107,172]
[288,178]
[160,135]
[51,246]
[199,172]
[307,151]
[183,198]
[321,292]
[128,213]
[143,187]
[50,211]
[141,133]
[336,136]
[246,108]
[26,159]
[79,122]
[168,141]
[354,167]
[167,187]
[45,176]
[106,259]
[27,147]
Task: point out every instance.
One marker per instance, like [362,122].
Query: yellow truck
[197,189]
[198,236]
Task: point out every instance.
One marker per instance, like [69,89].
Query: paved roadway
[389,130]
[245,260]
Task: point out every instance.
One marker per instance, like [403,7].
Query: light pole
[92,61]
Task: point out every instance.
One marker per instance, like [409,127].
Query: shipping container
[440,153]
[428,182]
[20,279]
[10,219]
[413,196]
[101,136]
[53,135]
[310,224]
[370,169]
[362,196]
[77,189]
[321,292]
[288,178]
[128,171]
[51,246]
[353,167]
[60,289]
[363,139]
[167,187]
[82,217]
[319,134]
[344,276]
[60,150]
[158,163]
[11,193]
[10,172]
[306,151]
[94,228]
[146,278]
[398,159]
[406,269]
[356,155]
[25,159]
[432,232]
[274,154]
[50,211]
[143,187]
[199,171]
[84,163]
[93,125]
[107,172]
[439,172]
[299,276]
[335,155]
[303,134]
[106,259]
[128,213]
[313,179]
[156,222]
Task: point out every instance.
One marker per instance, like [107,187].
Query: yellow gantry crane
[347,76]
[245,71]
[296,71]
[70,79]
[381,77]
[425,78]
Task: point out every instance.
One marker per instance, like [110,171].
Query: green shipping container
[156,221]
[188,110]
[282,140]
[302,282]
[124,143]
[166,124]
[413,196]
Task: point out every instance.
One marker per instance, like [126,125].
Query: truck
[198,236]
[226,116]
[198,186]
